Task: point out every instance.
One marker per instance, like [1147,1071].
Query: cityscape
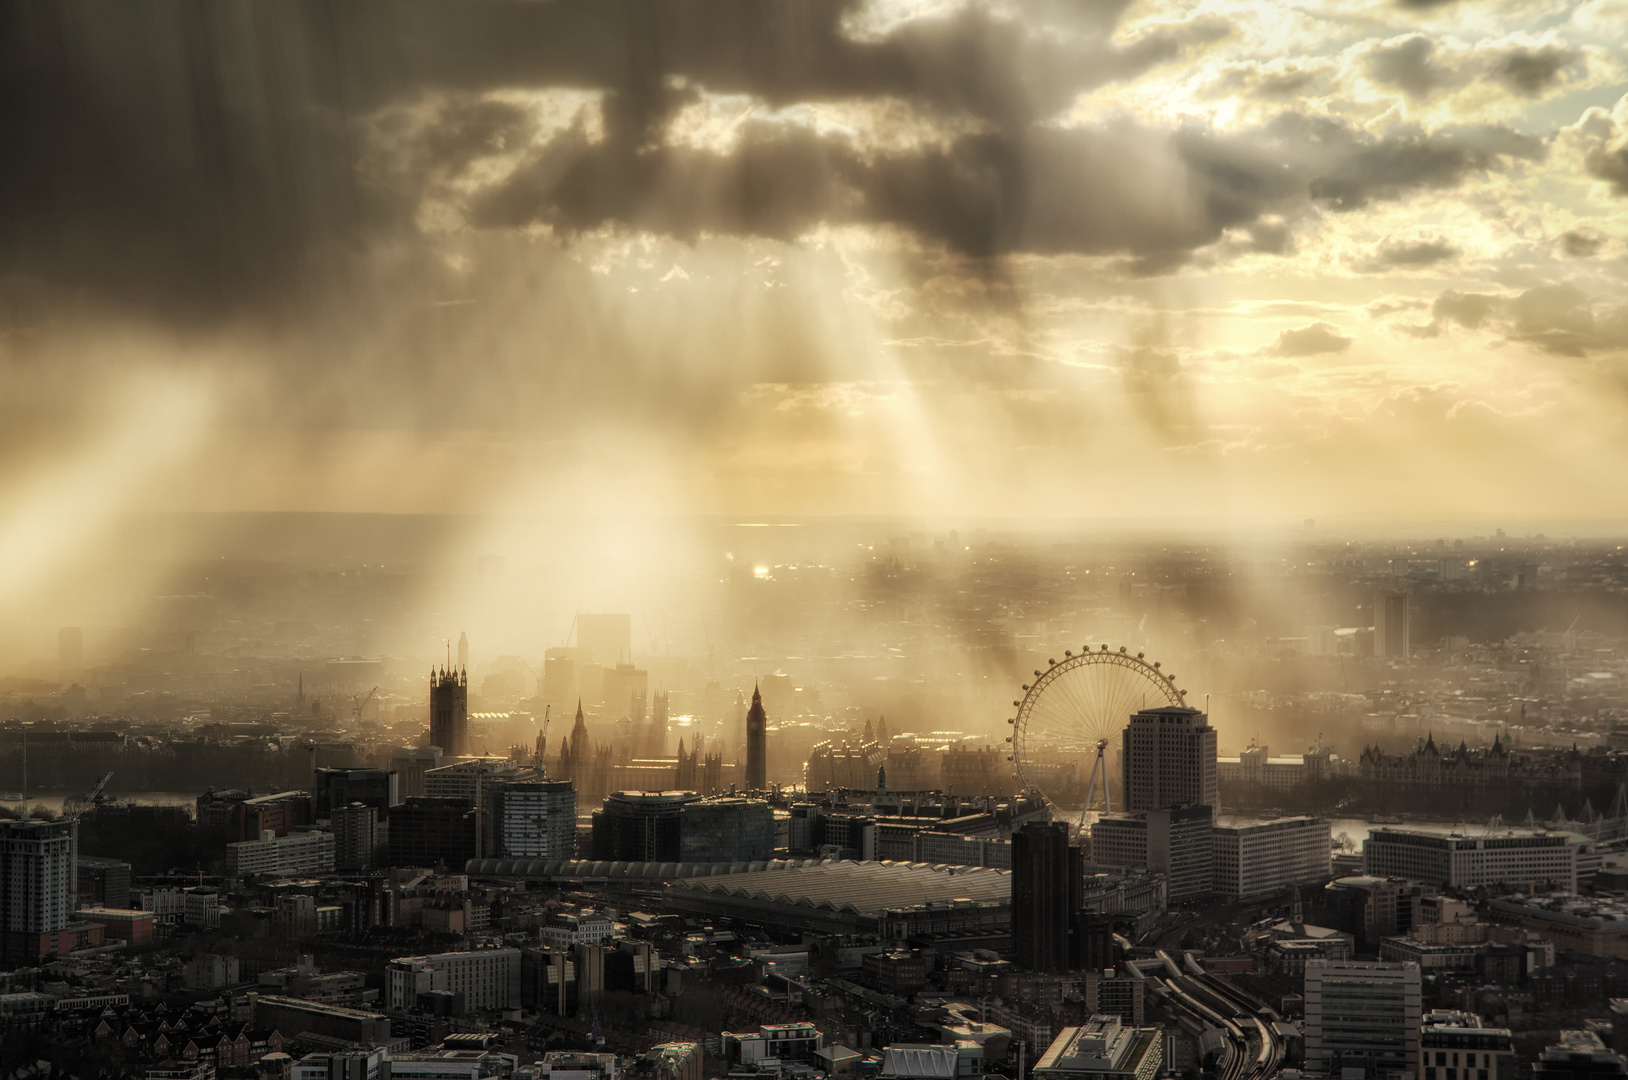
[814,540]
[1374,808]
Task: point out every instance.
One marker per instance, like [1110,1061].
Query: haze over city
[685,539]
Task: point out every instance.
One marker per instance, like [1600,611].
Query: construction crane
[356,713]
[542,744]
[75,806]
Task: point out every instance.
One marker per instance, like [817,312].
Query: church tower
[757,745]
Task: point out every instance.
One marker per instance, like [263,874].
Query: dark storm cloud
[1529,72]
[1394,254]
[1374,168]
[1408,66]
[188,160]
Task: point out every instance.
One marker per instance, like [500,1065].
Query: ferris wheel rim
[1164,683]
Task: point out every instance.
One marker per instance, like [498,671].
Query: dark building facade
[642,826]
[433,832]
[1045,887]
[757,744]
[449,711]
[335,788]
[103,882]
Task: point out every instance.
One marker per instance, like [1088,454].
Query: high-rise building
[463,651]
[1391,631]
[103,882]
[433,832]
[449,711]
[1176,841]
[727,830]
[681,826]
[38,886]
[356,835]
[70,647]
[1168,759]
[641,826]
[487,978]
[335,788]
[1362,1015]
[757,745]
[1044,869]
[410,764]
[1257,857]
[534,819]
[1181,846]
[560,678]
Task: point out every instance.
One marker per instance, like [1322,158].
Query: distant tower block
[757,745]
[463,652]
[449,711]
[70,647]
[1391,624]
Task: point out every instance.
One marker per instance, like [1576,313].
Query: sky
[1357,260]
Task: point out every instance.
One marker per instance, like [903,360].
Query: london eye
[1066,734]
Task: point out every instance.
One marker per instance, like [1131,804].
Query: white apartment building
[1362,1014]
[1532,860]
[38,875]
[296,853]
[487,978]
[1256,857]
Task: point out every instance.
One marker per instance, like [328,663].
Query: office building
[1530,860]
[103,882]
[1103,1048]
[757,744]
[471,781]
[1580,1055]
[1391,629]
[1168,759]
[534,819]
[410,764]
[641,826]
[333,788]
[681,826]
[356,835]
[1371,908]
[487,978]
[432,832]
[1362,1015]
[1455,1046]
[1175,841]
[1253,858]
[727,829]
[1181,846]
[1045,869]
[297,853]
[38,888]
[560,688]
[449,711]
